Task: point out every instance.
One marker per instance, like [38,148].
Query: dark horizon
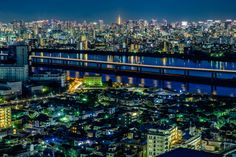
[172,10]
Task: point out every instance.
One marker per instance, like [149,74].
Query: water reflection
[77,75]
[118,79]
[148,60]
[155,83]
[178,86]
[169,62]
[166,61]
[108,77]
[131,80]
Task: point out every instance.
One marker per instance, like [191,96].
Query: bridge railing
[61,60]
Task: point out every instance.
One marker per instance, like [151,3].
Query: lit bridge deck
[138,70]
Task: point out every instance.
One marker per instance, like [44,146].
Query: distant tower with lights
[119,20]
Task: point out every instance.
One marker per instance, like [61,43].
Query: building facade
[162,140]
[5,117]
[93,81]
[17,70]
[59,78]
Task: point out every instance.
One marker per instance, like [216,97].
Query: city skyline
[109,10]
[109,78]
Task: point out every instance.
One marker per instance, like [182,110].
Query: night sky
[108,10]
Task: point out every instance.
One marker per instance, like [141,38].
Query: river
[178,86]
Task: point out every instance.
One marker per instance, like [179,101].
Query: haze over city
[173,10]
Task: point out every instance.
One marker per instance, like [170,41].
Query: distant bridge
[197,57]
[140,70]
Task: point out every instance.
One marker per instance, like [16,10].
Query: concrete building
[13,73]
[17,71]
[5,91]
[193,142]
[128,118]
[92,80]
[37,89]
[59,78]
[162,139]
[10,89]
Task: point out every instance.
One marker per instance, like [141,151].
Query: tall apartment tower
[161,140]
[21,55]
[19,70]
[5,117]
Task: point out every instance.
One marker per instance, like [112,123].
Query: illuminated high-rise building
[162,140]
[83,43]
[5,117]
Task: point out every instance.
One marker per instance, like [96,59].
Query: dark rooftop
[4,88]
[183,152]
